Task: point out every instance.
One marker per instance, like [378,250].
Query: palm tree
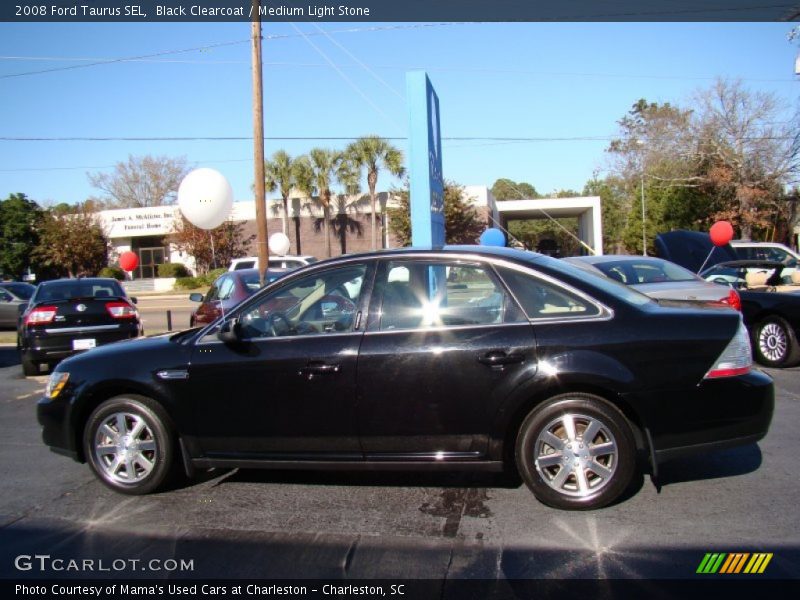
[279,173]
[348,175]
[319,172]
[373,153]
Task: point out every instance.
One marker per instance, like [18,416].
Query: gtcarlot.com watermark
[45,563]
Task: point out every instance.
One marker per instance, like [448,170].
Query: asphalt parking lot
[271,524]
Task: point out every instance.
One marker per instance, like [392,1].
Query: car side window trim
[604,312]
[207,335]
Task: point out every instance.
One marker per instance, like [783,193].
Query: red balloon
[721,233]
[128,261]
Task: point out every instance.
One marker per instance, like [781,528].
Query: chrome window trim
[604,312]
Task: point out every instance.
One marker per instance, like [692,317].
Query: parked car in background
[275,262]
[67,316]
[658,278]
[227,291]
[770,251]
[772,317]
[13,295]
[473,358]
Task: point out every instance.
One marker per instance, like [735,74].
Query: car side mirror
[134,299]
[196,297]
[230,332]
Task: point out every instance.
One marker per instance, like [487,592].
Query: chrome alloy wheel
[772,342]
[125,448]
[576,455]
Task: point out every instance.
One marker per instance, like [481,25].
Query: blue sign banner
[425,162]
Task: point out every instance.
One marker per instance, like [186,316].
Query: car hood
[690,249]
[160,351]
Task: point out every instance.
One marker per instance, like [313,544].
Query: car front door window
[318,304]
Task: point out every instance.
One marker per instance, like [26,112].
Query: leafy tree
[749,152]
[141,181]
[461,222]
[506,189]
[373,153]
[19,219]
[71,244]
[212,248]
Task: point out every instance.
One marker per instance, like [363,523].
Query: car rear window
[67,290]
[20,290]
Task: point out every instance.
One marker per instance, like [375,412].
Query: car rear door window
[541,299]
[425,294]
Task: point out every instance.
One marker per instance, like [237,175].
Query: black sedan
[66,316]
[457,358]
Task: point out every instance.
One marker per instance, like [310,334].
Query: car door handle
[498,358]
[318,368]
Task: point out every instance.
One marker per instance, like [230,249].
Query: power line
[431,68]
[220,45]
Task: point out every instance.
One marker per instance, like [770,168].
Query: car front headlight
[55,384]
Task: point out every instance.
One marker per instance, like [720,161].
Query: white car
[772,252]
[275,262]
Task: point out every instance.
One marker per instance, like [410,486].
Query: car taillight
[733,300]
[41,315]
[736,359]
[121,310]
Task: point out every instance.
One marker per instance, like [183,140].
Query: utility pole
[258,144]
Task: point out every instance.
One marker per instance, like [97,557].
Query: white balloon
[279,244]
[205,198]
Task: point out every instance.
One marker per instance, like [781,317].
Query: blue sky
[542,80]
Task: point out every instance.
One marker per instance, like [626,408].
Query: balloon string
[707,257]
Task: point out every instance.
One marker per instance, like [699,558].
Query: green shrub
[212,276]
[172,270]
[114,272]
[188,283]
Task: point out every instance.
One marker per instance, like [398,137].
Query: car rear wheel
[129,445]
[576,452]
[29,367]
[776,343]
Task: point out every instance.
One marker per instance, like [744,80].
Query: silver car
[658,278]
[12,295]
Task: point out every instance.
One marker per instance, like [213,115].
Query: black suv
[66,316]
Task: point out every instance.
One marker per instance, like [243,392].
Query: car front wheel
[576,452]
[776,343]
[129,445]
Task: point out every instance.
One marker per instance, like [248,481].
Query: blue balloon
[493,237]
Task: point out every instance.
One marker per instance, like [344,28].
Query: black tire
[775,343]
[29,367]
[574,473]
[149,456]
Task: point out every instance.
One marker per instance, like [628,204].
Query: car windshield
[20,290]
[76,288]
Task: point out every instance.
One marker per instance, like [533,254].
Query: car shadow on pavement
[9,356]
[378,479]
[715,465]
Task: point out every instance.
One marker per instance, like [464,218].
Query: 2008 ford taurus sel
[462,357]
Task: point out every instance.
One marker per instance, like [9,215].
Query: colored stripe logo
[734,563]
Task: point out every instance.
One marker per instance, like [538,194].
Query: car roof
[80,279]
[601,258]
